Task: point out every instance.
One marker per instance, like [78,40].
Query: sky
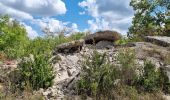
[74,15]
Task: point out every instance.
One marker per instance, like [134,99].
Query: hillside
[69,60]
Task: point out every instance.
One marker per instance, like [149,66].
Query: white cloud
[90,7]
[93,25]
[55,26]
[31,33]
[82,13]
[74,27]
[14,13]
[108,14]
[52,24]
[25,10]
[33,7]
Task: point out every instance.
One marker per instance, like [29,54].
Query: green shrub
[77,36]
[126,59]
[36,71]
[122,41]
[102,80]
[13,37]
[98,77]
[153,79]
[149,81]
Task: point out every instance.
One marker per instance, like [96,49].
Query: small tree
[150,16]
[13,37]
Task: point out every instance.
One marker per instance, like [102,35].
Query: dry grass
[9,89]
[2,56]
[162,54]
[7,93]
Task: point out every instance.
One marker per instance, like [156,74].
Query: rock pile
[67,72]
[69,67]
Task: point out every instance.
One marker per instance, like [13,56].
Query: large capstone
[111,36]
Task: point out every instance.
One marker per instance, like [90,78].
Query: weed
[36,71]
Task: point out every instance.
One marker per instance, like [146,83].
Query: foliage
[150,16]
[47,44]
[13,37]
[77,36]
[167,27]
[15,44]
[153,79]
[99,76]
[126,58]
[36,71]
[122,41]
[103,80]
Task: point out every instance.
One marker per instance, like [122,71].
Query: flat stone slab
[160,40]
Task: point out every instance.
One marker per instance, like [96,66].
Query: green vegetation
[33,71]
[150,16]
[101,79]
[99,76]
[37,71]
[13,37]
[152,79]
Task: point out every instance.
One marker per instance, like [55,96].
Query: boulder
[102,36]
[159,40]
[70,47]
[104,45]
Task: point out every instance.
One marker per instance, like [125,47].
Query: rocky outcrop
[102,36]
[160,40]
[68,70]
[69,67]
[70,47]
[104,45]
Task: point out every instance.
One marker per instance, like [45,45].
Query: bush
[77,36]
[98,77]
[102,80]
[126,59]
[152,79]
[122,41]
[36,71]
[13,37]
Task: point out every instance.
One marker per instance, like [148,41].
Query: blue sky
[73,15]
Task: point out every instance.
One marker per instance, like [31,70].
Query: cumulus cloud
[55,26]
[90,7]
[108,14]
[31,32]
[25,10]
[14,13]
[74,27]
[34,7]
[82,13]
[51,23]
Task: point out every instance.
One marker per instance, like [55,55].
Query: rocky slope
[67,64]
[69,67]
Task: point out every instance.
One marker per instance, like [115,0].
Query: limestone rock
[102,36]
[160,40]
[104,44]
